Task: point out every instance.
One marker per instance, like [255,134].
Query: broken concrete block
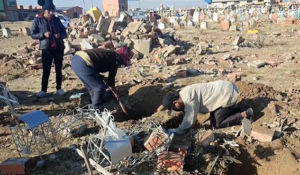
[142,46]
[135,54]
[226,57]
[145,28]
[155,140]
[96,38]
[171,161]
[168,50]
[262,134]
[26,31]
[85,45]
[134,26]
[257,64]
[133,36]
[207,138]
[111,26]
[238,40]
[6,32]
[104,27]
[33,60]
[68,47]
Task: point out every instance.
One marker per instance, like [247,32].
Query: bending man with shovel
[87,65]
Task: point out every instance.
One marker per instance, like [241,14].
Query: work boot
[249,114]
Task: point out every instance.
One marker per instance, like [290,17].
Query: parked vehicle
[64,20]
[138,15]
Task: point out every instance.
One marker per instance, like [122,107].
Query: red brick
[171,161]
[169,62]
[233,75]
[181,147]
[181,73]
[289,21]
[262,134]
[155,140]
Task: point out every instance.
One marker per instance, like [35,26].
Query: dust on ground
[259,87]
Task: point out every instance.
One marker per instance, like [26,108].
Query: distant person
[178,16]
[49,30]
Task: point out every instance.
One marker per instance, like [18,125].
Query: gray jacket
[204,98]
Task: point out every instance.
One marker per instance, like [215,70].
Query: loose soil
[265,89]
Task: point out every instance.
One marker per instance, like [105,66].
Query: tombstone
[215,17]
[242,17]
[161,26]
[262,17]
[203,25]
[26,31]
[233,28]
[251,23]
[6,32]
[190,23]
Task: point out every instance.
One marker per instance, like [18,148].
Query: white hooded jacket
[204,98]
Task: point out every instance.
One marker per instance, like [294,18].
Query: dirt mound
[255,90]
[145,98]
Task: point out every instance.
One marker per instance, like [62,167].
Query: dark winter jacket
[40,25]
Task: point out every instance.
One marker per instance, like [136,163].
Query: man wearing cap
[218,98]
[89,63]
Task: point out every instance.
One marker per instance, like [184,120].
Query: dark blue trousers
[91,80]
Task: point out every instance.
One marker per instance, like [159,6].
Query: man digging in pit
[219,98]
[87,65]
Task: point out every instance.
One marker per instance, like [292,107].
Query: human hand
[170,131]
[57,36]
[47,34]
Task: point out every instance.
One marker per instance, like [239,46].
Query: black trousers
[224,117]
[91,79]
[47,58]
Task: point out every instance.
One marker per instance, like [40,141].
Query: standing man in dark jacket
[88,64]
[49,30]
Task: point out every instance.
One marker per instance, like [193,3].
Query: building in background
[28,13]
[71,12]
[114,7]
[227,3]
[8,10]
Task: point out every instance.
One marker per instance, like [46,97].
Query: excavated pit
[144,100]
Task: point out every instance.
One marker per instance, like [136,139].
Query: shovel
[120,103]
